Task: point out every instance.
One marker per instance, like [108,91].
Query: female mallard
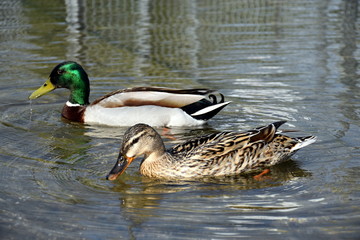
[218,154]
[151,105]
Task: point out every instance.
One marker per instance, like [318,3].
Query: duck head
[140,139]
[68,75]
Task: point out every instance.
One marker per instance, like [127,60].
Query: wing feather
[219,146]
[166,97]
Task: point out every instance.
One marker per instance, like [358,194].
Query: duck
[155,106]
[225,153]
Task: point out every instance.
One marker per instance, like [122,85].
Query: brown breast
[74,113]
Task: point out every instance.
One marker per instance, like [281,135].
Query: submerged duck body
[218,154]
[152,105]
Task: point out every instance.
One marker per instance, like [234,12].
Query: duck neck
[80,90]
[155,164]
[79,96]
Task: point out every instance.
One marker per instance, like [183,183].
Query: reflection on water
[350,75]
[74,26]
[275,60]
[139,203]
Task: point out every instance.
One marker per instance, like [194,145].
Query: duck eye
[136,140]
[60,71]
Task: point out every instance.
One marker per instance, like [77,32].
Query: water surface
[275,60]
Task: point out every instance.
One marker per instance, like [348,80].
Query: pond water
[275,60]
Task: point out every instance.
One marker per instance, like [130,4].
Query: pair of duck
[218,154]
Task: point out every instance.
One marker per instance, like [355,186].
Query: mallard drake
[217,154]
[152,105]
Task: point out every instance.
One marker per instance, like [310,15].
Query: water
[275,60]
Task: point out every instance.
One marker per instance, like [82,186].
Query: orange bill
[121,164]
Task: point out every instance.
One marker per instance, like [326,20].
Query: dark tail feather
[205,109]
[278,124]
[267,133]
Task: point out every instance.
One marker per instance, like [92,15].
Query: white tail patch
[303,142]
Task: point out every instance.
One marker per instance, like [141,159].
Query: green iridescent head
[68,75]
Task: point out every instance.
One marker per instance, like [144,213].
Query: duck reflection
[64,151]
[69,143]
[141,197]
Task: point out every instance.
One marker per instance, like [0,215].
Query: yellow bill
[44,89]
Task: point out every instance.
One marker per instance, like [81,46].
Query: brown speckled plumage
[219,154]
